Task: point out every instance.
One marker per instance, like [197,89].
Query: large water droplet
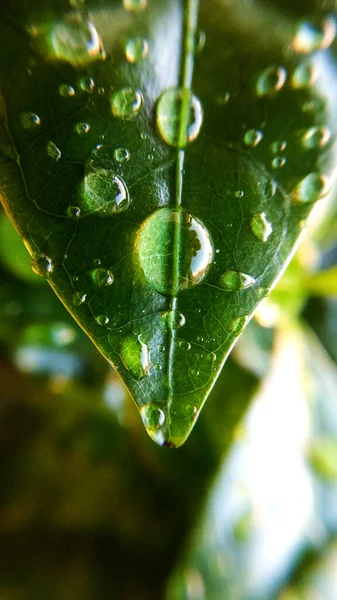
[42,265]
[135,356]
[76,40]
[126,103]
[136,49]
[313,187]
[234,281]
[252,137]
[102,277]
[53,151]
[261,227]
[310,37]
[174,249]
[135,5]
[178,116]
[271,80]
[316,137]
[104,191]
[30,120]
[153,417]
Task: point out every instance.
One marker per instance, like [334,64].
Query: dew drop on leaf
[261,227]
[234,281]
[153,417]
[126,103]
[252,137]
[278,146]
[166,268]
[86,84]
[42,265]
[184,345]
[313,187]
[121,155]
[105,192]
[82,128]
[30,120]
[316,137]
[79,299]
[102,277]
[53,151]
[304,76]
[74,212]
[178,116]
[175,319]
[278,162]
[102,320]
[310,37]
[135,356]
[66,90]
[271,80]
[75,39]
[136,49]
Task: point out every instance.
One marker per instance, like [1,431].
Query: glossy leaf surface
[158,158]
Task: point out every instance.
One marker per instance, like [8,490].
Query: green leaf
[160,186]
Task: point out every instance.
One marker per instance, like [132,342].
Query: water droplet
[175,319]
[102,277]
[195,372]
[79,299]
[313,187]
[211,356]
[252,137]
[135,356]
[75,39]
[30,120]
[53,151]
[178,116]
[239,194]
[316,137]
[310,37]
[278,146]
[82,128]
[233,281]
[86,84]
[73,212]
[160,347]
[66,90]
[106,192]
[184,345]
[278,162]
[222,99]
[136,49]
[121,155]
[153,417]
[271,80]
[102,320]
[42,265]
[261,227]
[200,41]
[126,103]
[135,5]
[168,268]
[304,76]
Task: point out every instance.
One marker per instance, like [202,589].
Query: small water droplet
[278,162]
[178,116]
[304,76]
[135,5]
[278,146]
[195,372]
[313,187]
[106,192]
[102,320]
[136,49]
[75,39]
[42,265]
[121,155]
[82,128]
[53,151]
[135,356]
[310,37]
[184,345]
[102,277]
[86,84]
[126,103]
[175,319]
[66,90]
[316,137]
[261,227]
[30,120]
[252,137]
[160,347]
[211,356]
[153,417]
[271,80]
[234,281]
[155,246]
[239,194]
[74,212]
[79,298]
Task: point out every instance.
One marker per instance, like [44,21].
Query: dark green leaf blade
[159,216]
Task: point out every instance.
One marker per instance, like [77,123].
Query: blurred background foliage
[91,508]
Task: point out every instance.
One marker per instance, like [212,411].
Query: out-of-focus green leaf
[160,185]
